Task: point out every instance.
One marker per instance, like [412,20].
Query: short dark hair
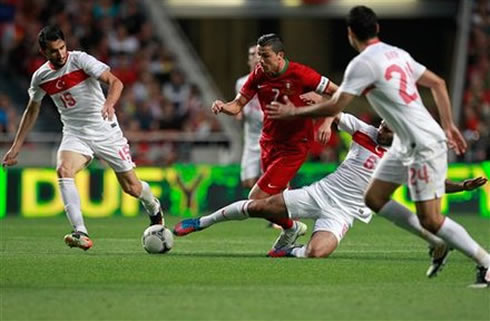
[49,33]
[362,21]
[273,40]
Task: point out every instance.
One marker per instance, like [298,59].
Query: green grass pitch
[377,273]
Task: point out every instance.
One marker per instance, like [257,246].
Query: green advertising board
[186,190]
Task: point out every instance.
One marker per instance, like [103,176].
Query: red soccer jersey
[295,80]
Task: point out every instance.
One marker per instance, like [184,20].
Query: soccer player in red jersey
[284,143]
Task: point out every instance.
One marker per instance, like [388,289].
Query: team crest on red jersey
[288,88]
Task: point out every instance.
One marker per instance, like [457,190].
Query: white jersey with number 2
[387,75]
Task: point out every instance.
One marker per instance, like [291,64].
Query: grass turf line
[222,273]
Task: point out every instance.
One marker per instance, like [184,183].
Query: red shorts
[280,162]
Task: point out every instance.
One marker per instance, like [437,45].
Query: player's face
[56,52]
[269,60]
[385,135]
[253,58]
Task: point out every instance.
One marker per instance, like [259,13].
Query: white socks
[404,218]
[233,212]
[456,236]
[299,251]
[71,199]
[148,200]
[450,232]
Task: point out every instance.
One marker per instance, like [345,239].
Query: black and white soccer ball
[157,239]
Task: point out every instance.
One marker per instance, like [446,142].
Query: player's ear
[349,31]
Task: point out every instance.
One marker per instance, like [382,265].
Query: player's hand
[277,110]
[473,183]
[455,140]
[217,106]
[324,132]
[10,158]
[108,112]
[311,98]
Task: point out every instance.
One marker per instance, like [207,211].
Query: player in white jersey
[90,127]
[389,76]
[252,116]
[334,202]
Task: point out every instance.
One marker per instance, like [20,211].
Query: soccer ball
[157,239]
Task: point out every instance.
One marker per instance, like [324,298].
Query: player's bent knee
[374,201]
[430,224]
[318,252]
[267,208]
[64,171]
[322,244]
[257,206]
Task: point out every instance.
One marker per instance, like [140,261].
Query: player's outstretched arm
[26,123]
[232,108]
[311,98]
[466,185]
[113,93]
[329,108]
[325,130]
[441,97]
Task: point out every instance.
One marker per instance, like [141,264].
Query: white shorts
[114,149]
[301,204]
[250,165]
[425,176]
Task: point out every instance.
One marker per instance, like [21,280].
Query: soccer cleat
[158,217]
[482,278]
[288,237]
[439,255]
[187,226]
[284,252]
[78,239]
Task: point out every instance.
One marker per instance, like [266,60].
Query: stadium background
[175,57]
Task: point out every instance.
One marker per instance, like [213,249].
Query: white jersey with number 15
[76,91]
[387,75]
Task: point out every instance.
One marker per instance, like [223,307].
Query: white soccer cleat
[288,237]
[78,239]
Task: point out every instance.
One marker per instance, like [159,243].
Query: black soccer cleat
[439,255]
[482,278]
[158,217]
